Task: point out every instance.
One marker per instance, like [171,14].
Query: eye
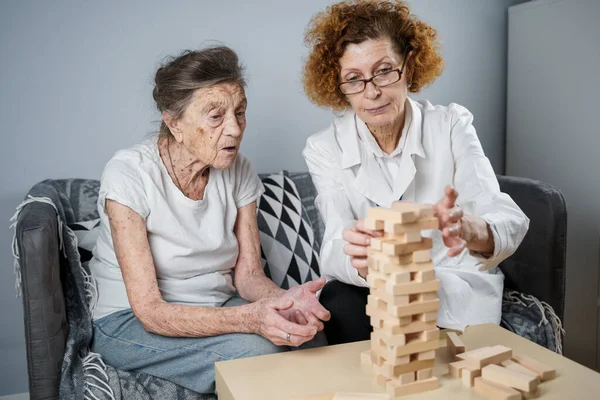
[215,117]
[352,79]
[241,113]
[384,70]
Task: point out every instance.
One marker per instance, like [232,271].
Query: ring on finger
[288,337]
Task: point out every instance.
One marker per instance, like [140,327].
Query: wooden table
[326,370]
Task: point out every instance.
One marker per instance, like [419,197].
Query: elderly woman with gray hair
[177,263]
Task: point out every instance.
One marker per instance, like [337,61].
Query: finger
[455,214]
[316,285]
[300,318]
[450,196]
[363,272]
[279,338]
[282,303]
[359,262]
[355,251]
[355,237]
[294,329]
[319,312]
[314,321]
[360,227]
[452,230]
[456,250]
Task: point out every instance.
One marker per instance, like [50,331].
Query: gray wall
[76,81]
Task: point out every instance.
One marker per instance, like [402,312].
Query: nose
[233,128]
[372,91]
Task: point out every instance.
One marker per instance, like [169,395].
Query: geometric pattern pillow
[288,250]
[87,232]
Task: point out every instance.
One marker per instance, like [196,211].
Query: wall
[76,82]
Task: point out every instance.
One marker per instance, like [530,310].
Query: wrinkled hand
[359,238]
[275,328]
[451,223]
[306,309]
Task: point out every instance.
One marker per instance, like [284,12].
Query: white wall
[76,82]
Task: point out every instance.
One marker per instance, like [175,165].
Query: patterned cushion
[87,232]
[289,253]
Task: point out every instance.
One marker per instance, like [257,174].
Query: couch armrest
[43,302]
[538,267]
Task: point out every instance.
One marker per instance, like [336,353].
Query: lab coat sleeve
[479,192]
[336,211]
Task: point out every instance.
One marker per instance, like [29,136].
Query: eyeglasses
[379,80]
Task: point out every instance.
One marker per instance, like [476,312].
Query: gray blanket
[84,375]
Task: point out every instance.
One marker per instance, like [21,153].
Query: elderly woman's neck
[388,136]
[187,172]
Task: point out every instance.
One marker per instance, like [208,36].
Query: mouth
[377,110]
[229,149]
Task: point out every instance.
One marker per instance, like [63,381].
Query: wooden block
[395,248]
[410,348]
[427,317]
[374,224]
[397,228]
[387,319]
[399,277]
[425,276]
[391,371]
[376,243]
[427,296]
[373,264]
[455,344]
[380,380]
[468,376]
[391,259]
[429,335]
[544,371]
[510,364]
[455,368]
[388,268]
[412,327]
[389,299]
[479,358]
[509,377]
[424,374]
[404,379]
[492,391]
[414,308]
[531,395]
[388,214]
[376,303]
[426,355]
[412,287]
[409,237]
[389,340]
[421,256]
[396,389]
[375,281]
[360,396]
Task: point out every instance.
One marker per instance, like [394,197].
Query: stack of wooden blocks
[403,300]
[496,373]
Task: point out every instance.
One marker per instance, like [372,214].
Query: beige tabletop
[326,370]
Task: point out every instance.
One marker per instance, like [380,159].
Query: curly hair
[330,31]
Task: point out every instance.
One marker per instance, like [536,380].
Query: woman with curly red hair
[365,58]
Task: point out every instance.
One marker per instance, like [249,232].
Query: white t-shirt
[192,241]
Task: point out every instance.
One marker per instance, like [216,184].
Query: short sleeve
[122,182]
[248,187]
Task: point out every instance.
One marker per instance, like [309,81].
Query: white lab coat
[441,148]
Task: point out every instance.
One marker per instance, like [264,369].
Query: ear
[173,125]
[410,65]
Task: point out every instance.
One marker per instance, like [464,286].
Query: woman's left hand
[306,309]
[451,222]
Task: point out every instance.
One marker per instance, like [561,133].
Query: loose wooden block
[396,389]
[455,368]
[544,371]
[388,214]
[421,256]
[424,374]
[373,224]
[425,276]
[395,248]
[412,327]
[414,308]
[409,377]
[493,391]
[468,376]
[510,364]
[360,396]
[455,344]
[426,355]
[479,358]
[412,287]
[397,228]
[509,377]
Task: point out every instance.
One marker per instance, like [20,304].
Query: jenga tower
[403,300]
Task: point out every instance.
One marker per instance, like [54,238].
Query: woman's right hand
[359,238]
[275,328]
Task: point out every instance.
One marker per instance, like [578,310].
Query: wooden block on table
[395,248]
[421,256]
[509,377]
[455,368]
[360,396]
[374,224]
[425,276]
[413,308]
[397,228]
[396,389]
[455,344]
[412,287]
[493,391]
[510,364]
[479,358]
[424,374]
[388,214]
[544,371]
[468,376]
